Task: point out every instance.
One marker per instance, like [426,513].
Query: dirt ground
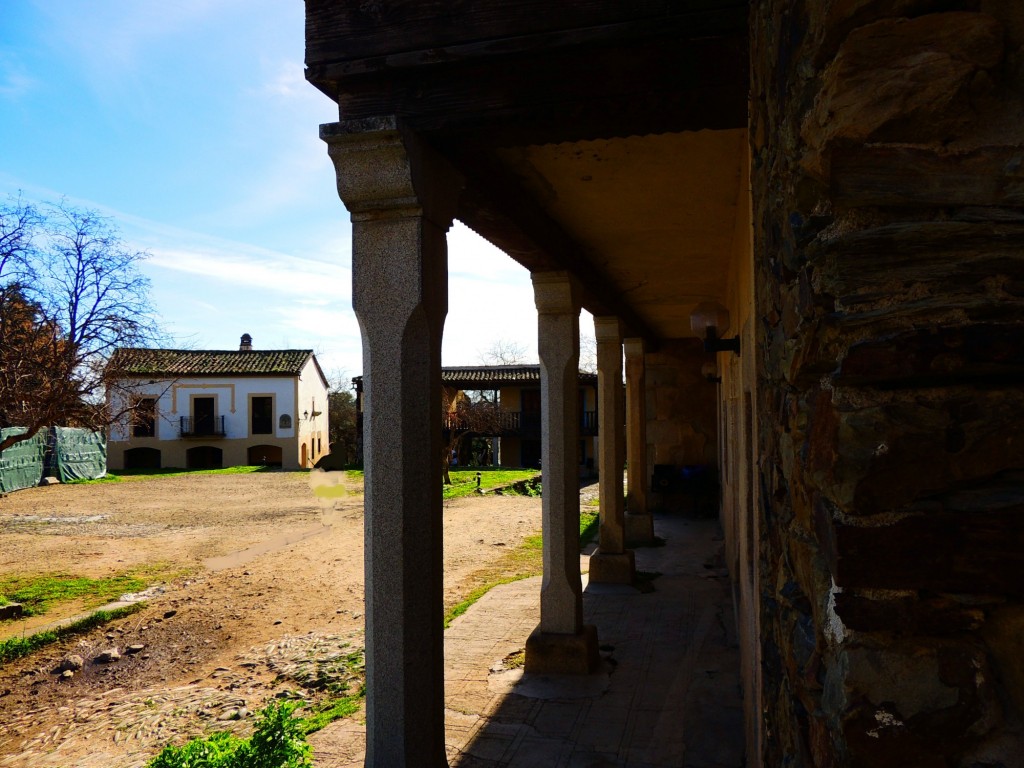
[265,583]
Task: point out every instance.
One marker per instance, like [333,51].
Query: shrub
[277,742]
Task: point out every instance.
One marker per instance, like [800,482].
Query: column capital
[556,292]
[608,328]
[384,170]
[634,346]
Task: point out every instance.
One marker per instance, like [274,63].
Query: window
[285,422]
[262,415]
[144,418]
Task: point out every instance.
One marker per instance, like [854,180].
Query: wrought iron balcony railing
[204,426]
[515,423]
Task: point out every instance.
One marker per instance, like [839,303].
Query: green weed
[589,524]
[278,741]
[16,647]
[39,593]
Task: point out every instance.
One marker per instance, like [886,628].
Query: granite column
[402,200]
[612,562]
[561,643]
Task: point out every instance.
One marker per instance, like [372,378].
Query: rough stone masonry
[888,180]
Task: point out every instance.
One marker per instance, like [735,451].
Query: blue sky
[190,124]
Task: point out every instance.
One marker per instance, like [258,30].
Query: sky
[190,125]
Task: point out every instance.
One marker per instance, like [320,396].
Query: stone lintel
[558,653]
[612,568]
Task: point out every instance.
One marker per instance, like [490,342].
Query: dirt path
[269,590]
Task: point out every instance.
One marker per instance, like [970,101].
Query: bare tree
[465,418]
[588,353]
[503,352]
[73,293]
[342,417]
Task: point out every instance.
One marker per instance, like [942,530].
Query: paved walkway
[668,693]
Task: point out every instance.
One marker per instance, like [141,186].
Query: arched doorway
[204,457]
[305,456]
[142,458]
[265,455]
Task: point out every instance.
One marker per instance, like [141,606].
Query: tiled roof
[493,376]
[191,362]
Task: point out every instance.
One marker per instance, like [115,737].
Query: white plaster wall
[312,397]
[232,402]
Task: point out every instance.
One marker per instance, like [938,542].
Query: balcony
[205,427]
[524,424]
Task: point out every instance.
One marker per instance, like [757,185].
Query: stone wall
[681,413]
[888,188]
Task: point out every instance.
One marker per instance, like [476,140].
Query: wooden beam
[652,86]
[417,32]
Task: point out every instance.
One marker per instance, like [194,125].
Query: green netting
[81,454]
[21,465]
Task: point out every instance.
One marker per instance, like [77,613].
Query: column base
[559,653]
[617,568]
[640,529]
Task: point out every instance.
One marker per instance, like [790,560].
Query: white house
[219,408]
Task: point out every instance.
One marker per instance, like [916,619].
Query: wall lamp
[709,320]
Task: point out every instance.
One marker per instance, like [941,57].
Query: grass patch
[521,563]
[38,594]
[122,475]
[17,647]
[460,608]
[589,524]
[515,660]
[326,712]
[464,480]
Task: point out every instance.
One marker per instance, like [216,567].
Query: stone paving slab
[668,693]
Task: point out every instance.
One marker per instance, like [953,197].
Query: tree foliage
[342,420]
[70,293]
[465,418]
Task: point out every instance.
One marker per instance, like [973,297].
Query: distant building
[216,408]
[516,391]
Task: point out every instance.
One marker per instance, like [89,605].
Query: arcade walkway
[665,697]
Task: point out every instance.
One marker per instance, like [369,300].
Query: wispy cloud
[278,274]
[15,81]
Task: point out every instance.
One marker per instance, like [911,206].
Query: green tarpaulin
[21,465]
[80,454]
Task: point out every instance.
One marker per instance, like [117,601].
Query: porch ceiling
[656,214]
[602,138]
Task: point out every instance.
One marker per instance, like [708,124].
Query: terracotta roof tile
[493,376]
[189,362]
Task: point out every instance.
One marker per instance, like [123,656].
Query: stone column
[402,200]
[561,643]
[612,563]
[639,522]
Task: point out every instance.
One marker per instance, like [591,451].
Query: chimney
[246,345]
